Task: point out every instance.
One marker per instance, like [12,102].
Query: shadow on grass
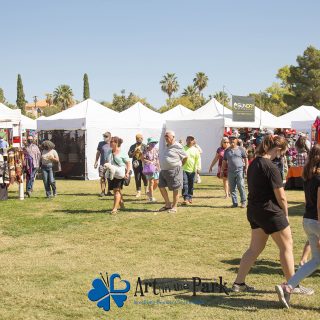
[238,303]
[208,197]
[70,211]
[107,210]
[262,266]
[297,210]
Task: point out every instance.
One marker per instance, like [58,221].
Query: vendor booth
[208,125]
[76,133]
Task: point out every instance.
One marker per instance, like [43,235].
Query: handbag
[126,181]
[56,166]
[149,169]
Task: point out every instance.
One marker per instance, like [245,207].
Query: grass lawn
[51,250]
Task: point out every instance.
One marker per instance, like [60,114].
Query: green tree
[183,100]
[123,102]
[272,99]
[222,97]
[200,81]
[304,80]
[2,98]
[49,99]
[86,90]
[63,96]
[189,91]
[169,84]
[51,110]
[21,100]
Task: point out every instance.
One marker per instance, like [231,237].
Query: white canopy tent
[302,118]
[176,113]
[138,119]
[207,125]
[8,116]
[89,116]
[15,115]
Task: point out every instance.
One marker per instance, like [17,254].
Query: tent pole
[85,156]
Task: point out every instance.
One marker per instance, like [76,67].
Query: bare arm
[97,158]
[128,167]
[246,164]
[281,199]
[184,160]
[214,161]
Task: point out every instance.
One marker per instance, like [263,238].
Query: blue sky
[131,44]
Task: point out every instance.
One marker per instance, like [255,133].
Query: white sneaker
[152,199]
[138,195]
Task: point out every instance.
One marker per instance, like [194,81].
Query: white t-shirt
[46,155]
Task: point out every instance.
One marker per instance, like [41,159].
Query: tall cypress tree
[86,90]
[2,98]
[21,100]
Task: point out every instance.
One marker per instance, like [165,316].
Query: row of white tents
[206,124]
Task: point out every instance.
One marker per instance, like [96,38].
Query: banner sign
[243,108]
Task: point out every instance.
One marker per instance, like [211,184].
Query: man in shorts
[171,158]
[102,149]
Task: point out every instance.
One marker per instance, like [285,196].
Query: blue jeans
[48,180]
[235,179]
[31,180]
[188,182]
[312,229]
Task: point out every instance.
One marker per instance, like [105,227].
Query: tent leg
[85,156]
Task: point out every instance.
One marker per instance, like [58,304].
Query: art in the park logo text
[106,289]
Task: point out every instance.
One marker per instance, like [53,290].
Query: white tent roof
[86,114]
[28,123]
[8,114]
[303,113]
[176,113]
[139,115]
[210,110]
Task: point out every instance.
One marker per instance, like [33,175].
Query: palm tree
[169,84]
[223,98]
[200,81]
[49,99]
[189,91]
[63,96]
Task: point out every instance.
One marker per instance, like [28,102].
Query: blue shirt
[235,158]
[4,144]
[103,148]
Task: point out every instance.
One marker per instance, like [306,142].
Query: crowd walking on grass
[175,168]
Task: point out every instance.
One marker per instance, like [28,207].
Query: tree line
[298,84]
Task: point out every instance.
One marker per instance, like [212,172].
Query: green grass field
[51,250]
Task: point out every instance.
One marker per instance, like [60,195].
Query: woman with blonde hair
[224,144]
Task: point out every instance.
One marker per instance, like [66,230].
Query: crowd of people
[176,167]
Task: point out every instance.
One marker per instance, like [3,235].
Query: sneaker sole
[281,297]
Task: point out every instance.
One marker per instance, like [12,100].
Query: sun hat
[151,140]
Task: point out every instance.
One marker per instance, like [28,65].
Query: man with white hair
[171,158]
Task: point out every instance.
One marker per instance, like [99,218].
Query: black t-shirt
[263,178]
[311,191]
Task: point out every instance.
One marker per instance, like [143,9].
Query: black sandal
[164,209]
